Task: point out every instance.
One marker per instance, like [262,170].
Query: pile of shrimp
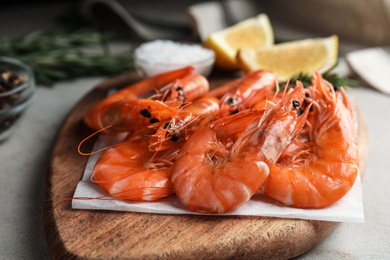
[216,148]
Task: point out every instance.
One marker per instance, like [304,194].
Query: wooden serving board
[97,234]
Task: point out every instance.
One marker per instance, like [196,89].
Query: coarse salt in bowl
[160,56]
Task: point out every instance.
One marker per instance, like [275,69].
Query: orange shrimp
[97,117]
[263,103]
[186,121]
[209,178]
[185,89]
[130,171]
[249,90]
[218,92]
[135,116]
[321,165]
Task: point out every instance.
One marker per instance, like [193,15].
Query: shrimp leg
[186,121]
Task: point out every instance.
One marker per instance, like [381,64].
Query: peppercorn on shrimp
[186,121]
[247,91]
[210,178]
[186,89]
[321,164]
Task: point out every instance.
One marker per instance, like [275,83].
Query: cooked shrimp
[186,89]
[135,116]
[208,177]
[249,90]
[130,171]
[219,91]
[186,121]
[321,165]
[264,102]
[94,116]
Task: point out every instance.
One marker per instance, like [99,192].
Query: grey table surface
[24,157]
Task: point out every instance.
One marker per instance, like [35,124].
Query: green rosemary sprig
[331,77]
[338,81]
[59,56]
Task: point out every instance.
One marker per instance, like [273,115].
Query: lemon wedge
[250,33]
[292,58]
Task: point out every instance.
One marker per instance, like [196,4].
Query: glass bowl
[163,55]
[17,86]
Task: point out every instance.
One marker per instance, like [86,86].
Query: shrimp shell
[322,163]
[130,171]
[210,178]
[93,117]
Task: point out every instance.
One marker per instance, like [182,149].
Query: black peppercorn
[295,104]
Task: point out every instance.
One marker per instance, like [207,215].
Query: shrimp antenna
[172,120]
[277,84]
[56,207]
[90,136]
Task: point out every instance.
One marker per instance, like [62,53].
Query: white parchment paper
[348,209]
